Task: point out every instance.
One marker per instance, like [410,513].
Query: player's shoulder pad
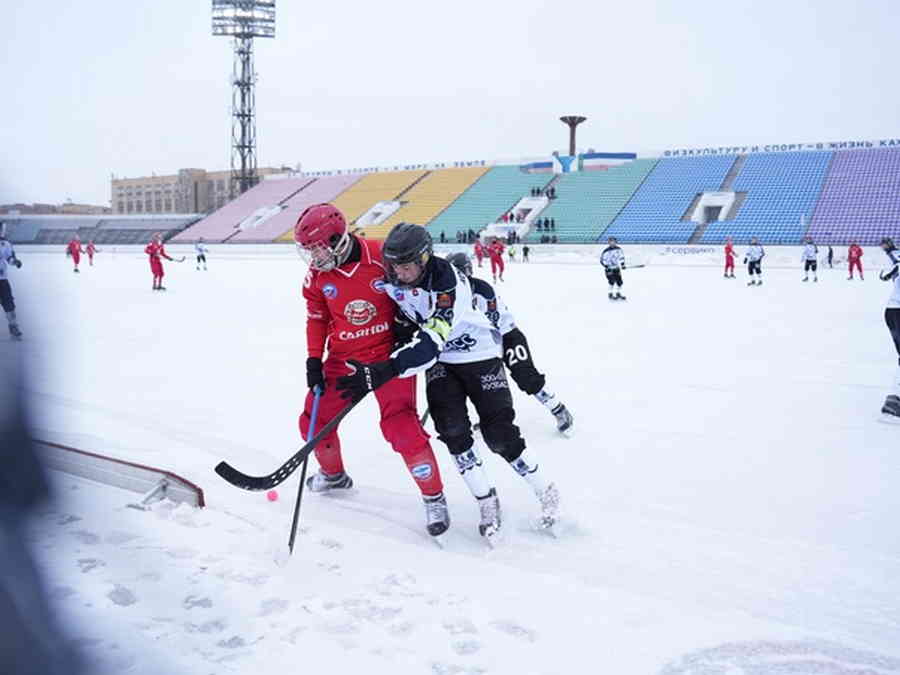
[443,276]
[373,247]
[482,288]
[310,279]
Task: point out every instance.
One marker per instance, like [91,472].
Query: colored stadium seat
[427,198]
[586,202]
[861,198]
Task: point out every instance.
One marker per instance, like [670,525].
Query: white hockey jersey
[492,306]
[892,273]
[755,253]
[200,248]
[612,257]
[810,252]
[451,327]
[7,255]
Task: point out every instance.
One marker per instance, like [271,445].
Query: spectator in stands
[830,257]
[553,239]
[443,237]
[525,250]
[553,224]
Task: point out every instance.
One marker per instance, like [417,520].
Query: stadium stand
[220,225]
[427,198]
[374,188]
[115,229]
[488,198]
[321,190]
[653,214]
[587,202]
[860,200]
[782,189]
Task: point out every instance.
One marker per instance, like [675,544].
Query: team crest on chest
[359,312]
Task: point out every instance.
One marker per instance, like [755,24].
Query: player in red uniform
[729,258]
[74,250]
[90,249]
[350,317]
[495,250]
[854,256]
[479,251]
[157,252]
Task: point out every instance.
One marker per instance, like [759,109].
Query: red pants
[156,267]
[399,424]
[479,258]
[729,265]
[496,262]
[76,258]
[858,265]
[91,258]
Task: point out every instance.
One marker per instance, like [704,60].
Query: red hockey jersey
[347,308]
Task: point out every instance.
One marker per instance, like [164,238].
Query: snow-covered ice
[730,495]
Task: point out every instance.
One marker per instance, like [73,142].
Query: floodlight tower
[572,121]
[243,20]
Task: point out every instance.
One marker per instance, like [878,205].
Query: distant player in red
[157,252]
[74,250]
[350,317]
[729,258]
[90,249]
[479,251]
[495,251]
[854,256]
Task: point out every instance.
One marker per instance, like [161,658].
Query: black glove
[314,376]
[17,263]
[365,377]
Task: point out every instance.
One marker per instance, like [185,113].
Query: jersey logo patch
[359,312]
[463,343]
[330,291]
[421,471]
[444,300]
[378,285]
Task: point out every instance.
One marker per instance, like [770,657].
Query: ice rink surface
[730,494]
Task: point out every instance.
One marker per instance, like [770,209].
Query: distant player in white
[891,407]
[7,258]
[201,250]
[613,261]
[810,259]
[753,259]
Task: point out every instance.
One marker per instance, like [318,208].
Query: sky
[97,88]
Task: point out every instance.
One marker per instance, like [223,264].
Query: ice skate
[751,283]
[815,280]
[549,499]
[564,421]
[322,482]
[805,278]
[490,515]
[619,296]
[14,332]
[437,516]
[891,407]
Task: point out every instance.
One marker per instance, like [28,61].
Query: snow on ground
[730,493]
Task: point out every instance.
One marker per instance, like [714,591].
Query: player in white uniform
[613,261]
[891,407]
[460,349]
[201,250]
[8,258]
[753,259]
[516,352]
[810,259]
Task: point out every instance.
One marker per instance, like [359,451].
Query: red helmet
[322,237]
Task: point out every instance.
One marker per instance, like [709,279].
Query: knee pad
[403,431]
[457,437]
[503,437]
[330,439]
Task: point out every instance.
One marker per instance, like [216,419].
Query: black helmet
[462,262]
[888,242]
[406,243]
